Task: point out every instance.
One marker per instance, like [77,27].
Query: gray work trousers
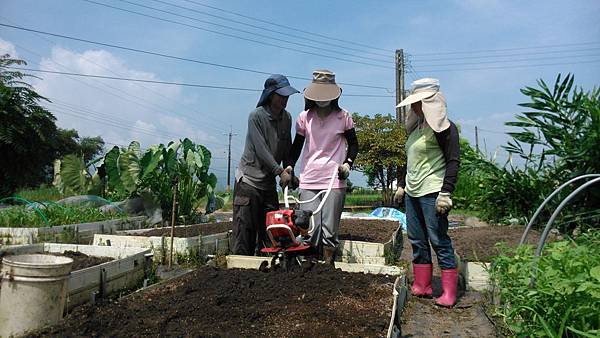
[327,221]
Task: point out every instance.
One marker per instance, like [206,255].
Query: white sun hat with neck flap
[433,104]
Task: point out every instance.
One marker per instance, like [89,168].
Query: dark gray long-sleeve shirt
[268,141]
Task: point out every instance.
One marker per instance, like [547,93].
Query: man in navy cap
[268,141]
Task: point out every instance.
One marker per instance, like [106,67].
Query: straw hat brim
[416,97]
[322,91]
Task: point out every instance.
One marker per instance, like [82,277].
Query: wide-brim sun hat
[433,104]
[323,87]
[276,83]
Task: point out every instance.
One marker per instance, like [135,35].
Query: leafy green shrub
[558,140]
[566,296]
[21,217]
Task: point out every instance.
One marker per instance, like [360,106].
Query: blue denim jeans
[426,226]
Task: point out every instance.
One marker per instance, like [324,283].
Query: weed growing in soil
[565,298]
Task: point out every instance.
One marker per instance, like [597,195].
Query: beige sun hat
[433,104]
[323,87]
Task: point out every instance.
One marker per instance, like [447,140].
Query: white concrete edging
[160,245]
[82,232]
[126,270]
[254,262]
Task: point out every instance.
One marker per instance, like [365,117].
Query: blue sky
[443,39]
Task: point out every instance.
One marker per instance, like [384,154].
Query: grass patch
[22,217]
[41,194]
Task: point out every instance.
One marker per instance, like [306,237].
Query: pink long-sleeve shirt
[324,147]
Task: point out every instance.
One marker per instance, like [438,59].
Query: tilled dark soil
[478,244]
[379,231]
[212,302]
[368,230]
[82,261]
[194,230]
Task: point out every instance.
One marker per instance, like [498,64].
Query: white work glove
[443,203]
[344,171]
[399,195]
[285,177]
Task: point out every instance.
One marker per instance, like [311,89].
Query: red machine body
[283,232]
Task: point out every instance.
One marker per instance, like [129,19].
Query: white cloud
[119,111]
[6,47]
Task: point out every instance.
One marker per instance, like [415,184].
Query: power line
[354,43]
[245,31]
[162,82]
[233,35]
[512,55]
[139,80]
[508,67]
[141,103]
[510,49]
[101,118]
[508,61]
[328,43]
[111,71]
[173,57]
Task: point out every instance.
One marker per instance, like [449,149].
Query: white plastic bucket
[33,292]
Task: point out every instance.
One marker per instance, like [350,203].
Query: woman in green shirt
[433,157]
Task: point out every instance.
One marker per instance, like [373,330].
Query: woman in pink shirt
[326,137]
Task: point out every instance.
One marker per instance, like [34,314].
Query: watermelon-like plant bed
[322,302]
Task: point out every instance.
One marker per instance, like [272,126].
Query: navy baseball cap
[276,83]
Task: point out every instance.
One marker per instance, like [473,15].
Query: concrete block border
[127,270]
[82,233]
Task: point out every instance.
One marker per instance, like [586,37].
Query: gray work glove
[443,203]
[285,177]
[344,171]
[399,195]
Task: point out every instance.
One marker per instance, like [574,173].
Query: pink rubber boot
[422,284]
[449,285]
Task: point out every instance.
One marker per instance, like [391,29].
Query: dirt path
[422,318]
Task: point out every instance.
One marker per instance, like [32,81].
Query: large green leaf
[135,148]
[129,170]
[212,180]
[150,162]
[73,174]
[112,169]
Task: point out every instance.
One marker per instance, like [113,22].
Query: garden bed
[97,271]
[245,303]
[478,244]
[82,261]
[82,233]
[365,230]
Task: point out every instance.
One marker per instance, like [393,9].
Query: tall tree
[29,138]
[381,151]
[26,132]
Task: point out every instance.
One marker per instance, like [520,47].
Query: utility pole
[228,189]
[400,112]
[476,139]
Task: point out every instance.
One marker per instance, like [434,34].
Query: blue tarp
[390,213]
